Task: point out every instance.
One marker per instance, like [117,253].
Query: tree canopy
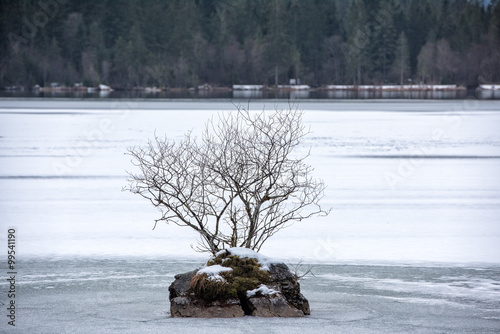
[236,186]
[185,43]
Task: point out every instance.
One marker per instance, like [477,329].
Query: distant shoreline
[210,88]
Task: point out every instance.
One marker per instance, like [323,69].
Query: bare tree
[237,185]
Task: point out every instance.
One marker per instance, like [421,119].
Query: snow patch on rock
[213,272]
[263,290]
[246,252]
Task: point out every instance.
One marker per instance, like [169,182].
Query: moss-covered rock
[229,285]
[246,274]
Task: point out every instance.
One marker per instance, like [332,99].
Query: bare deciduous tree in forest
[237,185]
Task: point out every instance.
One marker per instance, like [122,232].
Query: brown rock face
[179,288]
[189,307]
[285,301]
[184,304]
[289,286]
[274,305]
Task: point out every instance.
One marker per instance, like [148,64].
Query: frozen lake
[131,296]
[413,237]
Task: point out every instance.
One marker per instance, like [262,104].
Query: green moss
[247,274]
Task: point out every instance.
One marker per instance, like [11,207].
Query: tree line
[185,43]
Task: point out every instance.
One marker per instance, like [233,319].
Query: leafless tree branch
[236,186]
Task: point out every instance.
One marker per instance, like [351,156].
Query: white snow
[443,207]
[80,236]
[213,272]
[263,290]
[264,261]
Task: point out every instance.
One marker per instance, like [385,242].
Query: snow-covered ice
[131,296]
[408,181]
[411,244]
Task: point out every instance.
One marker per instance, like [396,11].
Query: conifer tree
[401,66]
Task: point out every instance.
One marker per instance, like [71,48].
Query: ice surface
[408,181]
[411,245]
[131,296]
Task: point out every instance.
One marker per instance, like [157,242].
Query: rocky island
[237,282]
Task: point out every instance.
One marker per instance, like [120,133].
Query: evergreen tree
[358,39]
[120,64]
[277,41]
[187,42]
[383,42]
[421,22]
[401,66]
[447,21]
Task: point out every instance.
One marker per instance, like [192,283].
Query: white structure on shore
[395,87]
[104,88]
[248,87]
[490,87]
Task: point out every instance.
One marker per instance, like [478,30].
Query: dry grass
[246,275]
[209,289]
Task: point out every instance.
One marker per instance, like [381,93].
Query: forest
[186,43]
